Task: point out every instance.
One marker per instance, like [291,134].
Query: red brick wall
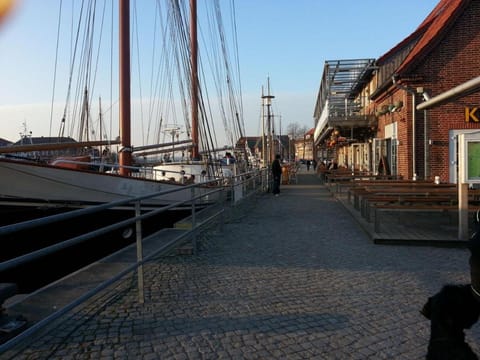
[455,60]
[404,129]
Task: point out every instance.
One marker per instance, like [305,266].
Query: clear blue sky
[285,40]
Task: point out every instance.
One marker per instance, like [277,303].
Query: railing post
[266,181]
[222,202]
[244,186]
[138,228]
[194,222]
[463,211]
[263,179]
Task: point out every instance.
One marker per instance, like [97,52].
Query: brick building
[397,138]
[281,145]
[304,146]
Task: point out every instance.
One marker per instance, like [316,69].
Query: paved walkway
[290,277]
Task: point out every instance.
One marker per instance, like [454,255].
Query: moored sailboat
[26,183]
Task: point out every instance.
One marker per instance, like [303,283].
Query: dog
[474,261]
[450,311]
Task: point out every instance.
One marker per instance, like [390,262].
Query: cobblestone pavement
[290,277]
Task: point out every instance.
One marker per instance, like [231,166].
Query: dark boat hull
[49,268]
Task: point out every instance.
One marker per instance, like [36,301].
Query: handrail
[138,264]
[8,229]
[84,297]
[9,264]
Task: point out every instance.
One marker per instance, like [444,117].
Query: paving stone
[290,277]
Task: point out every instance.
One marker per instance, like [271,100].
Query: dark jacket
[276,168]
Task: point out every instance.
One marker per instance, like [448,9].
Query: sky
[284,41]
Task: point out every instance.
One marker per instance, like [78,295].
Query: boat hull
[29,191]
[44,270]
[183,170]
[23,181]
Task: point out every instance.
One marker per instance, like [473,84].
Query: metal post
[462,188]
[222,213]
[138,228]
[194,223]
[426,164]
[414,165]
[463,211]
[412,92]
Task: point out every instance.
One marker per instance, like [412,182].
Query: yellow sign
[470,114]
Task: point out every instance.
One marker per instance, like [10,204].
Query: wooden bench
[333,175]
[405,195]
[359,192]
[400,194]
[347,181]
[398,183]
[415,208]
[396,200]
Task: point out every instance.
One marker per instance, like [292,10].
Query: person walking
[277,174]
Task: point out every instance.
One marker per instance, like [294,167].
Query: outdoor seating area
[343,175]
[374,199]
[289,173]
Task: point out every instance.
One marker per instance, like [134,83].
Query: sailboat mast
[267,101]
[124,64]
[194,76]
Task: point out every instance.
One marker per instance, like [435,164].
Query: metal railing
[241,187]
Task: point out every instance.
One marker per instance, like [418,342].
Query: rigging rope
[169,71]
[135,30]
[55,76]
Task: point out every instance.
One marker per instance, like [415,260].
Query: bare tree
[296,131]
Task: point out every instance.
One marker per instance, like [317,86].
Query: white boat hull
[24,181]
[180,171]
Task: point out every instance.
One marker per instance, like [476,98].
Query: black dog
[451,311]
[474,247]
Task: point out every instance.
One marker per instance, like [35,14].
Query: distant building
[45,155]
[304,146]
[251,142]
[281,145]
[4,142]
[30,140]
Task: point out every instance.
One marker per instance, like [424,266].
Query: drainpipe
[425,145]
[414,110]
[426,97]
[413,93]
